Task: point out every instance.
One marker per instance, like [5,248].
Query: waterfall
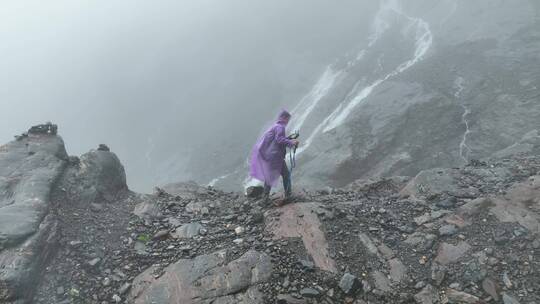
[464,149]
[424,40]
[382,22]
[304,108]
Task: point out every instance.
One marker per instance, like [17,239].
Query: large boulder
[441,183]
[302,221]
[97,176]
[521,204]
[29,167]
[205,279]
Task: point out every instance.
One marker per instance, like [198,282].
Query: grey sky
[171,74]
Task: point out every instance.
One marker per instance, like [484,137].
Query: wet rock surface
[29,167]
[386,241]
[205,279]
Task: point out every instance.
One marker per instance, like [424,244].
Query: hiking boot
[283,201]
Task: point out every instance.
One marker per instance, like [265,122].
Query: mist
[164,80]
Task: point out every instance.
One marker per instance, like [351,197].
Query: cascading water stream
[424,40]
[464,149]
[332,76]
[302,111]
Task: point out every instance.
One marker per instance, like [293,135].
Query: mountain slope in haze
[435,85]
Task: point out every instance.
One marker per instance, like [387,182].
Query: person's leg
[267,189]
[286,175]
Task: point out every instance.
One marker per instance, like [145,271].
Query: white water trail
[381,24]
[304,108]
[424,40]
[464,149]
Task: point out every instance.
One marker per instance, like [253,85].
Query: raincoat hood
[284,117]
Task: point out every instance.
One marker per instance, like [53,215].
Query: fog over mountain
[418,166]
[181,89]
[160,82]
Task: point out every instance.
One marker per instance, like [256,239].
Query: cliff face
[435,84]
[33,169]
[72,232]
[29,168]
[438,85]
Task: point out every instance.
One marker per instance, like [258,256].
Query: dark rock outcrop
[206,279]
[33,170]
[96,175]
[29,168]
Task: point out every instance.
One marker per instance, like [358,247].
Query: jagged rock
[508,299]
[161,235]
[307,265]
[301,220]
[420,220]
[98,177]
[116,299]
[148,211]
[387,185]
[205,279]
[254,191]
[368,244]
[428,295]
[349,284]
[28,234]
[124,289]
[239,230]
[201,207]
[103,147]
[386,251]
[438,273]
[506,280]
[447,203]
[491,288]
[398,271]
[188,231]
[189,190]
[514,207]
[381,281]
[448,230]
[309,293]
[94,262]
[96,207]
[460,297]
[421,240]
[47,128]
[287,299]
[441,183]
[475,271]
[448,253]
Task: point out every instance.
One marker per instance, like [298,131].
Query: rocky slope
[72,232]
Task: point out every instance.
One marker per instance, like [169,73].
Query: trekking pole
[292,157]
[292,152]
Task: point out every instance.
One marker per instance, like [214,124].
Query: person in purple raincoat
[267,161]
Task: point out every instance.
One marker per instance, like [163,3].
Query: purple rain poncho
[268,155]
